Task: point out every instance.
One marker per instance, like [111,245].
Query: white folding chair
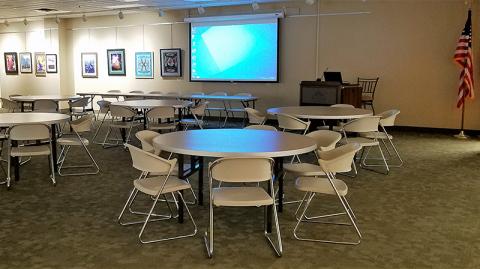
[198,112]
[78,108]
[242,170]
[156,115]
[255,116]
[154,187]
[47,106]
[232,109]
[217,105]
[79,126]
[123,118]
[338,160]
[261,127]
[30,132]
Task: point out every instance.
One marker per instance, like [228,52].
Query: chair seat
[153,185]
[378,135]
[363,141]
[186,166]
[303,169]
[321,185]
[30,151]
[72,141]
[124,124]
[162,126]
[241,196]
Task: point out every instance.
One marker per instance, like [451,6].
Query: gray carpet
[423,215]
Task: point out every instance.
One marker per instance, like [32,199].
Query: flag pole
[462,134]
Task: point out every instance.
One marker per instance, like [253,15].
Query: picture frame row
[170,63]
[22,62]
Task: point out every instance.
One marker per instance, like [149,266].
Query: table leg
[22,106]
[279,177]
[269,213]
[122,132]
[54,148]
[15,163]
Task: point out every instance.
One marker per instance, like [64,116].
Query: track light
[84,18]
[201,10]
[120,15]
[57,20]
[6,23]
[309,2]
[255,6]
[161,13]
[25,22]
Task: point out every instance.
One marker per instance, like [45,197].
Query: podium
[318,93]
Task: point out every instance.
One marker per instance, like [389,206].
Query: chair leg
[365,165]
[52,169]
[208,237]
[278,248]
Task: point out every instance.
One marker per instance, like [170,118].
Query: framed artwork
[25,62]
[11,64]
[144,64]
[171,62]
[116,62]
[89,65]
[40,64]
[52,63]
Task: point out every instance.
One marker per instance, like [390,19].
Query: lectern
[318,93]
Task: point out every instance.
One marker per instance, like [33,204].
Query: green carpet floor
[423,215]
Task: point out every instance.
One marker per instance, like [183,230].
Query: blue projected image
[245,52]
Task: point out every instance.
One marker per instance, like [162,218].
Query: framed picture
[144,64]
[116,62]
[11,64]
[171,62]
[89,65]
[25,62]
[52,63]
[40,64]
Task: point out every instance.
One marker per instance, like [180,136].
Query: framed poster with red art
[11,64]
[171,62]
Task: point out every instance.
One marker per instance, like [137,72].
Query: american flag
[463,56]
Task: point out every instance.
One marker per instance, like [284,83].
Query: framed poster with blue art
[144,64]
[89,65]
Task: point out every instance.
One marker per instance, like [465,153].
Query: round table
[233,143]
[321,112]
[32,98]
[11,119]
[151,103]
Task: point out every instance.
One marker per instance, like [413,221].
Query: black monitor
[333,76]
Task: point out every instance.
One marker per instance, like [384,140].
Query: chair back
[82,102]
[137,92]
[114,91]
[255,116]
[146,139]
[326,139]
[388,117]
[343,105]
[104,105]
[45,106]
[338,160]
[9,105]
[29,132]
[199,110]
[368,86]
[156,92]
[197,93]
[83,124]
[362,125]
[161,112]
[289,122]
[148,162]
[242,169]
[261,127]
[243,94]
[218,93]
[122,112]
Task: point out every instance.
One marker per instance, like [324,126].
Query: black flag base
[461,135]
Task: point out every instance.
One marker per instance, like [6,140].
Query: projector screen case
[246,65]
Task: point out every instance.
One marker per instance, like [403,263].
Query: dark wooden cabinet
[317,93]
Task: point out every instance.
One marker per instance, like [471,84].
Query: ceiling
[17,9]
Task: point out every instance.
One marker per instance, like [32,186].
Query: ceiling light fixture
[161,13]
[255,6]
[6,23]
[309,2]
[25,21]
[201,10]
[84,18]
[120,15]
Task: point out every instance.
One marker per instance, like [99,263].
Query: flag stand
[462,134]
